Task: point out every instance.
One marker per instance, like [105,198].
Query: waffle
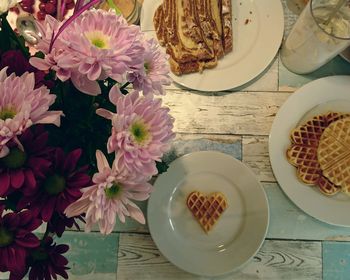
[303,151]
[206,209]
[334,153]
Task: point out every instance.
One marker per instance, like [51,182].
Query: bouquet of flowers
[81,132]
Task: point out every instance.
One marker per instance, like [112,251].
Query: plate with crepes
[309,149]
[257,30]
[208,214]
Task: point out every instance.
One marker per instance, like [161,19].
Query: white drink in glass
[314,40]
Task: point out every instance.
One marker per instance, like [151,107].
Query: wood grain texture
[249,113]
[189,143]
[140,259]
[256,156]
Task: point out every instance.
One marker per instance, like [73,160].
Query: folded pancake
[226,16]
[192,32]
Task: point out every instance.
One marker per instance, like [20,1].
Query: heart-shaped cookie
[206,209]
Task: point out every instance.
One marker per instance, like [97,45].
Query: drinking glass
[318,36]
[130,9]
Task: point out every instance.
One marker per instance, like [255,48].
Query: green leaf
[162,167]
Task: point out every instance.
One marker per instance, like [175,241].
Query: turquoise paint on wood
[91,253]
[336,260]
[287,221]
[183,147]
[337,66]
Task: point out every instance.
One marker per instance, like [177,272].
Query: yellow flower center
[147,67]
[98,39]
[6,237]
[139,132]
[113,191]
[7,113]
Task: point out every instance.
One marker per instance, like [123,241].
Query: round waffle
[334,153]
[206,209]
[303,151]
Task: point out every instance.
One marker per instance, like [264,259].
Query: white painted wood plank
[140,259]
[256,155]
[239,113]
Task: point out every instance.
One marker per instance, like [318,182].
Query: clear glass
[314,39]
[296,6]
[130,9]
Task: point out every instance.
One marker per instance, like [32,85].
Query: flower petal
[17,178]
[4,183]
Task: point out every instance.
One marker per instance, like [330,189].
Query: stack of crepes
[196,33]
[321,152]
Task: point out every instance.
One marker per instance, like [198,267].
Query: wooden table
[237,123]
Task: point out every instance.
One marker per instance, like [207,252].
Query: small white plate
[318,97]
[257,34]
[239,232]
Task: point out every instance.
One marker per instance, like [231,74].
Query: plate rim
[271,54]
[298,94]
[264,201]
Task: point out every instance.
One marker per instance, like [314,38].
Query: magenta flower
[16,238]
[59,222]
[97,45]
[47,262]
[20,169]
[17,63]
[21,106]
[60,188]
[152,78]
[141,132]
[109,197]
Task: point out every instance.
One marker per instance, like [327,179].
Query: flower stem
[47,232]
[113,6]
[124,86]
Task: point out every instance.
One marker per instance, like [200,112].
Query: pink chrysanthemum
[141,131]
[110,196]
[97,45]
[21,106]
[152,78]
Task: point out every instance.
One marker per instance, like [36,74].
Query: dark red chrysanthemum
[16,238]
[60,188]
[59,222]
[21,169]
[19,64]
[47,262]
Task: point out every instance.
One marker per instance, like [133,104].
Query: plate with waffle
[309,149]
[208,214]
[215,45]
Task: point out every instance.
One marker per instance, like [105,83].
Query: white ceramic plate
[320,96]
[239,232]
[255,44]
